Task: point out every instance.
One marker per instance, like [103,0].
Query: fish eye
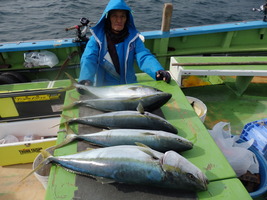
[191,176]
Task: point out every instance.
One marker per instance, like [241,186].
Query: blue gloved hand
[163,75]
[83,82]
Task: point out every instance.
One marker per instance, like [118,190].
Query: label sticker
[42,97]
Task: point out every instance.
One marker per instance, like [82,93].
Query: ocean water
[37,19]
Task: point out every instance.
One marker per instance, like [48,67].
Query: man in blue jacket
[109,56]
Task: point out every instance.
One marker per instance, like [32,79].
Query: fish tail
[66,118]
[68,139]
[73,81]
[75,101]
[60,124]
[70,106]
[72,85]
[45,155]
[67,121]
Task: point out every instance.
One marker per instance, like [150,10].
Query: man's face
[118,19]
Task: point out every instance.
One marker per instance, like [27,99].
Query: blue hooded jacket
[96,63]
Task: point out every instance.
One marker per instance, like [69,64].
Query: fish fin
[140,108]
[56,125]
[89,149]
[94,146]
[147,133]
[73,81]
[166,167]
[66,118]
[68,139]
[147,150]
[45,155]
[69,130]
[72,85]
[103,180]
[141,145]
[67,107]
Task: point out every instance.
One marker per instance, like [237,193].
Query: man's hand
[83,82]
[163,75]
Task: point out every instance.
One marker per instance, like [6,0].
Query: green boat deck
[205,155]
[224,104]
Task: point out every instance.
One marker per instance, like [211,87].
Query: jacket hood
[114,5]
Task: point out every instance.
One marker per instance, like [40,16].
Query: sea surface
[38,19]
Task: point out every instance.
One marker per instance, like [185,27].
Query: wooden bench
[245,68]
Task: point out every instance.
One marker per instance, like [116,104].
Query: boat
[38,88]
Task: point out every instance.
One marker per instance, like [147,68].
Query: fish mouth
[204,187]
[162,98]
[167,96]
[203,180]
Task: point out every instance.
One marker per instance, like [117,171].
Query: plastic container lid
[257,130]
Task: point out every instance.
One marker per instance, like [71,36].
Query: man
[109,56]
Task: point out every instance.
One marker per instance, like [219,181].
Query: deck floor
[11,187]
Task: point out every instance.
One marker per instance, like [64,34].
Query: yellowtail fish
[133,165]
[111,92]
[158,140]
[126,120]
[149,103]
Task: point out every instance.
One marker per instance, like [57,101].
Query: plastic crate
[257,130]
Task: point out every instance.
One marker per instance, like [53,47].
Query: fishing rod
[263,8]
[82,29]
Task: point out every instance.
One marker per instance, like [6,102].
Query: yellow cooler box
[22,141]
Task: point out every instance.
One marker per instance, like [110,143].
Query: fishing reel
[81,30]
[263,8]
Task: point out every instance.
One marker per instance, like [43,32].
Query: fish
[132,164]
[161,141]
[117,91]
[125,120]
[149,102]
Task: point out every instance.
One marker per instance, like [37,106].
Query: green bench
[245,68]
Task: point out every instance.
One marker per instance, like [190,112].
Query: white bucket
[42,174]
[199,107]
